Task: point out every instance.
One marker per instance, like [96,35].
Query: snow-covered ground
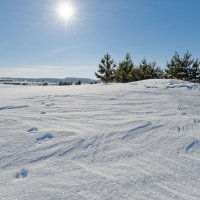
[135,141]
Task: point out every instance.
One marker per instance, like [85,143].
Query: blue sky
[34,42]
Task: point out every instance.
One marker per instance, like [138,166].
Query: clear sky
[35,42]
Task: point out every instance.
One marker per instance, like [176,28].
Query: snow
[137,140]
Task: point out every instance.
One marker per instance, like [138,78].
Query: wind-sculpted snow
[182,84]
[12,107]
[194,145]
[117,141]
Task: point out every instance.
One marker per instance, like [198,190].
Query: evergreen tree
[106,69]
[172,66]
[194,72]
[149,70]
[184,68]
[125,69]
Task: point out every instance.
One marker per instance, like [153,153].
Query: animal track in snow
[32,130]
[21,174]
[46,137]
[51,104]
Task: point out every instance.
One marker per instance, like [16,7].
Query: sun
[65,11]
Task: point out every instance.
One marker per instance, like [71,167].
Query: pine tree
[106,69]
[149,70]
[124,72]
[184,68]
[171,71]
[194,72]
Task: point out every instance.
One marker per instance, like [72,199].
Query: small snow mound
[193,146]
[34,129]
[21,174]
[45,137]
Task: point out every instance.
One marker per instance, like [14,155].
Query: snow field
[118,141]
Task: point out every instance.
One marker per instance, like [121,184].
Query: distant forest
[184,68]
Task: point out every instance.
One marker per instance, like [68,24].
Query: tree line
[183,68]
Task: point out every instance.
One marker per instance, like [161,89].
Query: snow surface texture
[135,141]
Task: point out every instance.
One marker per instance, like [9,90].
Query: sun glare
[65,11]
